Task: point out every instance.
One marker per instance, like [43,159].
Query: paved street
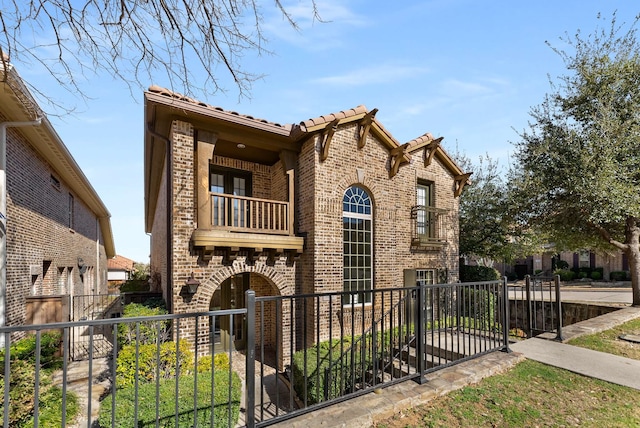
[596,295]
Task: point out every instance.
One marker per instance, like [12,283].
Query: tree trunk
[632,232]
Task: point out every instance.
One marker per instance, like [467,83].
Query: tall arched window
[357,227]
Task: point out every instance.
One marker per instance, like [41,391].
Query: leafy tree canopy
[487,227]
[577,169]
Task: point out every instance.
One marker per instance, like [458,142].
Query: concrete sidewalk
[599,365]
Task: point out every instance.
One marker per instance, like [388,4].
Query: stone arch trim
[280,282]
[348,180]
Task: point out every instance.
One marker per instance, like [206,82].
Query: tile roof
[424,138]
[175,95]
[321,120]
[120,263]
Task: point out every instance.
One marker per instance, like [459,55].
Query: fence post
[251,357]
[505,313]
[529,322]
[419,332]
[559,337]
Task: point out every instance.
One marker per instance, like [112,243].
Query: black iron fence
[328,351]
[297,354]
[536,307]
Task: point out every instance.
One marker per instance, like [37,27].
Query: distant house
[58,230]
[119,270]
[333,203]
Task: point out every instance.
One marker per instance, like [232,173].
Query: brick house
[119,270]
[58,231]
[330,204]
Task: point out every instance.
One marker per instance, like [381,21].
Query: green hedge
[149,361]
[479,306]
[125,402]
[565,274]
[619,275]
[478,273]
[22,383]
[149,332]
[342,376]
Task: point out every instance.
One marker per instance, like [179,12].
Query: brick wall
[320,187]
[43,252]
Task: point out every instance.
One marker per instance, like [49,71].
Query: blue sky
[463,69]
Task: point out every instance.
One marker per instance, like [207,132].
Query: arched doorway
[229,331]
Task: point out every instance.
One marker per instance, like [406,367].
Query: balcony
[233,222]
[428,228]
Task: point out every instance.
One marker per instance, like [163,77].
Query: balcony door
[425,225]
[230,211]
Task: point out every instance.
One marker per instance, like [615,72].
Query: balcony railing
[245,214]
[428,226]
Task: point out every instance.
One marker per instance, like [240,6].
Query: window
[54,182]
[584,260]
[357,229]
[425,221]
[230,211]
[71,211]
[425,276]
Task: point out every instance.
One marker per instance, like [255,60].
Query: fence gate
[97,339]
[537,308]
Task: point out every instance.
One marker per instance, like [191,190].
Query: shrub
[149,362]
[479,305]
[134,285]
[125,399]
[220,362]
[618,275]
[595,275]
[149,332]
[582,274]
[478,273]
[22,381]
[25,349]
[318,359]
[561,264]
[565,275]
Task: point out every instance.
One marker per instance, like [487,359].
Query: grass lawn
[609,341]
[532,395]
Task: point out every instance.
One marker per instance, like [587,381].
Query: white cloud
[385,73]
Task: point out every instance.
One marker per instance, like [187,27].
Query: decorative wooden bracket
[230,255]
[430,151]
[396,158]
[273,254]
[364,126]
[253,255]
[327,135]
[460,182]
[292,256]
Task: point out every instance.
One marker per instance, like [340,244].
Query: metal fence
[329,351]
[153,362]
[536,308]
[300,353]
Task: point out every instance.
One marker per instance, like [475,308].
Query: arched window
[357,229]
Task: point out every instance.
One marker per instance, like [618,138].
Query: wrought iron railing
[536,307]
[291,341]
[428,226]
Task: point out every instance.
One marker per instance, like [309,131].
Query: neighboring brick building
[58,231]
[331,204]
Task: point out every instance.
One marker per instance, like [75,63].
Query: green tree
[577,173]
[487,227]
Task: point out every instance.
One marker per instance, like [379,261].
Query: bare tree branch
[135,40]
